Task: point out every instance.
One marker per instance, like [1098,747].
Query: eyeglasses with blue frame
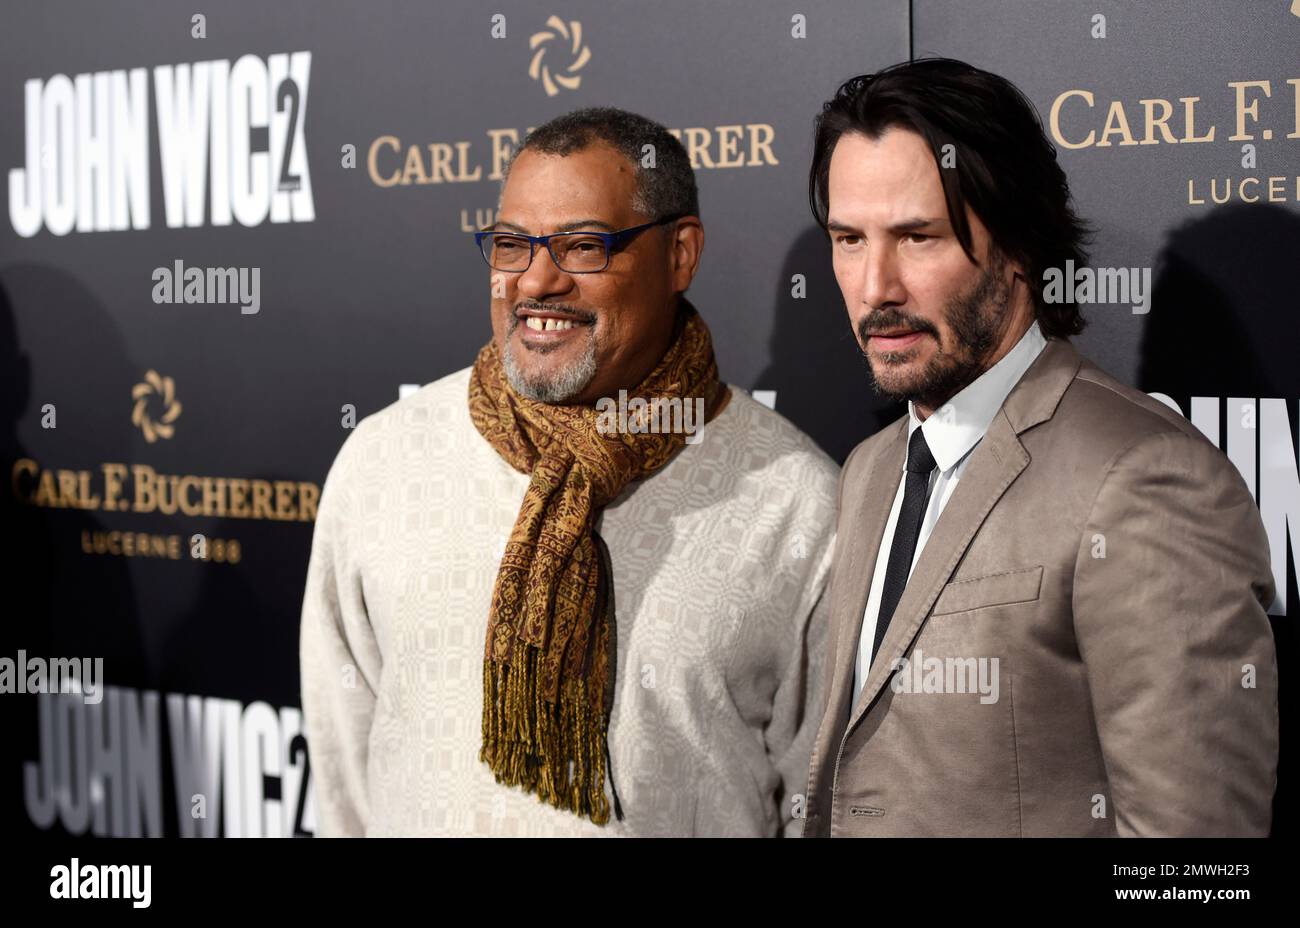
[586,252]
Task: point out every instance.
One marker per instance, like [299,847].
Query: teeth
[537,323]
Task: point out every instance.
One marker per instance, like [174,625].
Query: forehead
[595,182]
[884,178]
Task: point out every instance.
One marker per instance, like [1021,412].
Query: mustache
[581,315]
[885,320]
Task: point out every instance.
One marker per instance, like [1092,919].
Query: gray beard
[556,388]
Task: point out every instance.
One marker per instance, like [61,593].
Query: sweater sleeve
[339,655]
[796,705]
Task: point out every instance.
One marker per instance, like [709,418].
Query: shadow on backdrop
[60,601]
[821,379]
[1222,323]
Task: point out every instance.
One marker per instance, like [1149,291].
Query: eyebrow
[567,227]
[902,227]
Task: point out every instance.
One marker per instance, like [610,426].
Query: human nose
[543,276]
[882,285]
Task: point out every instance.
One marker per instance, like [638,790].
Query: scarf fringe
[533,744]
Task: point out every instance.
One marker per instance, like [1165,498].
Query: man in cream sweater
[576,588]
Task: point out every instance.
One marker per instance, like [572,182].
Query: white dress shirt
[952,432]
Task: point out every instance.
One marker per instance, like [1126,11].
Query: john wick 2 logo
[230,136]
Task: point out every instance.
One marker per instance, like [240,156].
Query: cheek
[607,297]
[931,286]
[502,295]
[941,275]
[848,274]
[612,337]
[631,334]
[498,314]
[503,289]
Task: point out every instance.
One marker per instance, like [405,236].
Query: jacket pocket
[1000,589]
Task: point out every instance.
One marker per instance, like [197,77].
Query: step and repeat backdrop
[231,233]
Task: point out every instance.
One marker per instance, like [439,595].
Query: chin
[898,380]
[896,365]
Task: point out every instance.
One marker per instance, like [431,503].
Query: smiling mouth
[538,320]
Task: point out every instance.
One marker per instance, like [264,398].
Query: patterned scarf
[547,670]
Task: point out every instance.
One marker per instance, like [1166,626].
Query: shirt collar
[957,426]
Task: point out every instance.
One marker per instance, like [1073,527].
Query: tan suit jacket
[1114,563]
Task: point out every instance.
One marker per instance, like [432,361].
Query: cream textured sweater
[720,561]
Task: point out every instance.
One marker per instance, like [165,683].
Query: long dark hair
[1004,166]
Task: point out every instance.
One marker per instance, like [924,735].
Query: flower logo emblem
[571,35]
[165,389]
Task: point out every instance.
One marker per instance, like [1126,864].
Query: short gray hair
[667,189]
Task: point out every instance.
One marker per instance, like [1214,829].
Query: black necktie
[916,492]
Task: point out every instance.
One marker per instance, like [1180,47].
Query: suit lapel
[863,534]
[994,465]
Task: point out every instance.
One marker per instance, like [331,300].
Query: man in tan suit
[1049,591]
